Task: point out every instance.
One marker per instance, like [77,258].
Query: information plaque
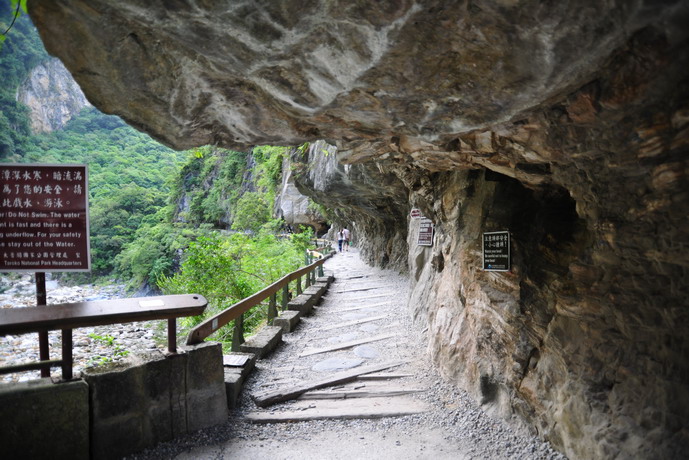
[44,224]
[496,251]
[425,233]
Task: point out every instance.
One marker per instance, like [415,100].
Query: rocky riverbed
[92,345]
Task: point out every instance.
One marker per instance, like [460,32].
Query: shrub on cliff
[226,269]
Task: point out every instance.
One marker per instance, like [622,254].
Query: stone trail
[403,411]
[337,340]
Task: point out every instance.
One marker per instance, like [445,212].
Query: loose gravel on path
[454,427]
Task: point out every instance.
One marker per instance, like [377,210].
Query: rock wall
[295,208]
[566,124]
[582,341]
[373,203]
[52,95]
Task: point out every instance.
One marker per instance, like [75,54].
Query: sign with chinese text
[44,224]
[425,233]
[496,251]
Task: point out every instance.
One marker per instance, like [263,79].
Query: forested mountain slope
[147,202]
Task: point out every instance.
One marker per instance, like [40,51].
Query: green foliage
[253,211]
[302,239]
[20,53]
[210,181]
[129,176]
[209,192]
[269,166]
[153,252]
[115,220]
[118,351]
[226,269]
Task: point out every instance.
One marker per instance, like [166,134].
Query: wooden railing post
[43,342]
[299,285]
[285,296]
[238,333]
[172,335]
[66,354]
[272,308]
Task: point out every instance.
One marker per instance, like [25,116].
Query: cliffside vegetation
[129,177]
[215,190]
[195,221]
[216,235]
[20,52]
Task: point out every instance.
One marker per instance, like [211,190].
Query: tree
[253,211]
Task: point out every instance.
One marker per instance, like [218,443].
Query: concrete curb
[263,342]
[236,375]
[268,338]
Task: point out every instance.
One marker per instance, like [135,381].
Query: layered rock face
[566,124]
[52,95]
[370,201]
[293,207]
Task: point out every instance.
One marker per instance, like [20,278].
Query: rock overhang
[360,74]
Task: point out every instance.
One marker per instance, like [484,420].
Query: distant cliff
[52,95]
[227,188]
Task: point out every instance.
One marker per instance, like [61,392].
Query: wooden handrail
[212,324]
[99,312]
[70,316]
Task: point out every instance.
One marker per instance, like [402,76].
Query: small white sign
[416,213]
[151,303]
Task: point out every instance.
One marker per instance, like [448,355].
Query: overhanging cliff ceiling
[364,75]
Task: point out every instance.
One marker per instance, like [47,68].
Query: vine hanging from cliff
[19,7]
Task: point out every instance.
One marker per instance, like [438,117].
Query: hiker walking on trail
[340,240]
[346,238]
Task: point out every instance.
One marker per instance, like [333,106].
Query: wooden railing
[70,316]
[235,312]
[321,243]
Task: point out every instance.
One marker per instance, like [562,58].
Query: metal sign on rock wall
[426,228]
[44,222]
[496,251]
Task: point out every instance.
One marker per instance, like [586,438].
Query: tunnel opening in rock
[547,232]
[489,389]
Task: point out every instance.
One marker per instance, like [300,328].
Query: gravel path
[454,427]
